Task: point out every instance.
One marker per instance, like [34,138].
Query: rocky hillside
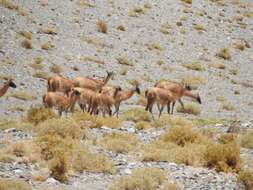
[206,44]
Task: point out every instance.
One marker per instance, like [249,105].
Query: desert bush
[170,121]
[247,141]
[23,96]
[47,46]
[39,114]
[194,66]
[155,46]
[169,186]
[41,75]
[49,30]
[26,34]
[227,106]
[223,157]
[102,26]
[119,142]
[217,65]
[224,53]
[199,27]
[96,122]
[137,11]
[187,1]
[56,69]
[27,44]
[181,135]
[166,29]
[125,61]
[246,178]
[92,59]
[141,179]
[8,184]
[137,115]
[189,108]
[227,138]
[142,125]
[37,66]
[121,28]
[194,81]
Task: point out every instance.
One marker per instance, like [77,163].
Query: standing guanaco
[59,84]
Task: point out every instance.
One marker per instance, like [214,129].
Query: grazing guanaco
[102,102]
[84,98]
[161,96]
[91,83]
[178,90]
[6,86]
[61,102]
[121,95]
[59,84]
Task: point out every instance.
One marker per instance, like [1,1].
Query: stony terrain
[146,41]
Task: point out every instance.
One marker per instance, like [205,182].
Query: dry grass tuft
[142,125]
[119,142]
[125,61]
[170,121]
[199,27]
[141,179]
[166,29]
[223,157]
[137,115]
[227,106]
[56,69]
[228,138]
[8,184]
[96,122]
[49,30]
[194,81]
[194,66]
[21,95]
[182,135]
[189,108]
[217,65]
[224,53]
[121,28]
[247,140]
[39,114]
[26,34]
[102,26]
[92,59]
[27,44]
[41,75]
[187,1]
[47,46]
[98,43]
[137,11]
[155,46]
[246,178]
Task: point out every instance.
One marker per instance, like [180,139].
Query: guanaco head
[11,83]
[137,89]
[188,87]
[109,74]
[198,99]
[74,92]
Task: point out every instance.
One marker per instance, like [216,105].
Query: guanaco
[179,91]
[61,102]
[6,86]
[91,83]
[59,84]
[161,96]
[102,102]
[121,95]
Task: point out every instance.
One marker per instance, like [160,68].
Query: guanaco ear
[188,87]
[77,93]
[11,83]
[198,99]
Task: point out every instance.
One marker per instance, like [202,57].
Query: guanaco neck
[125,95]
[4,89]
[106,79]
[189,94]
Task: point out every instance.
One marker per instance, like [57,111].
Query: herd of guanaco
[94,95]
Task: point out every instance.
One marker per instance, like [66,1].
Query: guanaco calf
[179,91]
[61,102]
[161,96]
[6,86]
[91,83]
[59,84]
[102,102]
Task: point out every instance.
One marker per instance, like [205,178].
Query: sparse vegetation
[41,75]
[98,43]
[27,44]
[141,179]
[56,69]
[224,53]
[26,34]
[142,125]
[187,1]
[199,27]
[227,106]
[23,96]
[92,59]
[194,66]
[223,157]
[39,114]
[166,28]
[246,178]
[51,29]
[155,46]
[189,108]
[247,141]
[102,26]
[47,46]
[14,185]
[121,28]
[217,65]
[137,11]
[193,81]
[119,142]
[125,61]
[137,115]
